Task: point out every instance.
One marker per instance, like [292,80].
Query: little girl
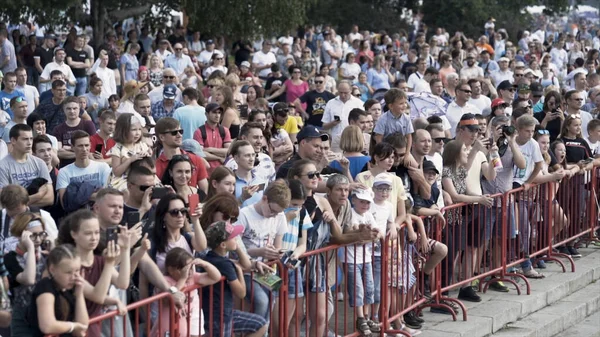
[181,273]
[113,103]
[129,148]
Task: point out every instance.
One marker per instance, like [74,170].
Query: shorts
[360,284]
[295,283]
[377,278]
[242,322]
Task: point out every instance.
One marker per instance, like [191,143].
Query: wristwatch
[173,290]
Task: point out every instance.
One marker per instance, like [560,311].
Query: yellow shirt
[290,126]
[397,195]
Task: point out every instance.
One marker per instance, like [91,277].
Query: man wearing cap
[460,106]
[214,137]
[483,103]
[80,62]
[506,91]
[471,70]
[169,133]
[57,64]
[169,78]
[192,115]
[537,92]
[309,147]
[337,110]
[8,58]
[44,54]
[263,60]
[206,54]
[178,61]
[503,73]
[246,75]
[168,105]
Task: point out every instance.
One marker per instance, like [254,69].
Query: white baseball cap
[382,179]
[362,194]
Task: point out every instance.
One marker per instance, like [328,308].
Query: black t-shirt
[242,54]
[46,285]
[315,105]
[402,173]
[45,55]
[227,269]
[78,56]
[176,39]
[112,59]
[577,149]
[282,172]
[553,126]
[277,81]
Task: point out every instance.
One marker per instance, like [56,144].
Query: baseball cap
[382,179]
[50,37]
[524,88]
[504,85]
[469,121]
[520,64]
[170,91]
[220,232]
[245,64]
[210,42]
[309,131]
[191,145]
[281,109]
[498,101]
[428,165]
[363,194]
[211,107]
[536,89]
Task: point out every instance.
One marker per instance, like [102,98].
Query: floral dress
[458,177]
[121,151]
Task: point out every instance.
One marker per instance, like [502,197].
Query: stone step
[589,327]
[502,314]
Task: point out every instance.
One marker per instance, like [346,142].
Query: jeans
[258,298]
[377,277]
[81,86]
[360,284]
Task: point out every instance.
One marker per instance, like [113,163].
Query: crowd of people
[153,163]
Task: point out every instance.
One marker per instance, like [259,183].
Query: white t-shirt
[350,70]
[362,255]
[382,215]
[438,161]
[474,175]
[531,152]
[595,147]
[31,93]
[258,230]
[262,59]
[482,103]
[455,112]
[96,173]
[64,68]
[413,79]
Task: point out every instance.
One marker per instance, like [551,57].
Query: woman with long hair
[350,69]
[379,76]
[129,63]
[221,180]
[230,118]
[252,95]
[155,70]
[446,67]
[552,116]
[178,175]
[352,144]
[293,87]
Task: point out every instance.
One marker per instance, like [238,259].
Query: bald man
[335,118]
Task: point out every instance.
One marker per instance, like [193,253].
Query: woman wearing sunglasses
[25,264]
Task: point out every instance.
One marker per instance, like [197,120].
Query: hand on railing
[486,200]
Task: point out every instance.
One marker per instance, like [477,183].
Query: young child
[221,240]
[429,207]
[593,139]
[359,269]
[107,121]
[129,148]
[181,273]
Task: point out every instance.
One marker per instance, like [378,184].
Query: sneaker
[564,250]
[363,327]
[374,325]
[411,322]
[574,252]
[499,286]
[468,294]
[410,331]
[340,296]
[332,334]
[414,317]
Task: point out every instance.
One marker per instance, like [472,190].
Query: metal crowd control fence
[523,226]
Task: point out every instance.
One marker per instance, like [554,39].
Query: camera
[509,130]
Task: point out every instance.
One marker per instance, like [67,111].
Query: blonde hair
[154,56]
[232,81]
[279,193]
[352,139]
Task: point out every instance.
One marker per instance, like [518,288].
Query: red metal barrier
[522,225]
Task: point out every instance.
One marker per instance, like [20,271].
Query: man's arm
[76,64]
[44,197]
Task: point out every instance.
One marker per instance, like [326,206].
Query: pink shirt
[295,91]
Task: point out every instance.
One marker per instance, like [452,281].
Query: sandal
[363,326]
[531,273]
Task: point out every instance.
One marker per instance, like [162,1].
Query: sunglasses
[318,82]
[313,175]
[174,132]
[305,52]
[575,116]
[543,132]
[296,72]
[466,91]
[519,75]
[169,77]
[356,95]
[20,99]
[440,139]
[178,49]
[177,212]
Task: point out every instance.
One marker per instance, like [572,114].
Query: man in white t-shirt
[482,102]
[264,226]
[263,59]
[354,34]
[460,106]
[417,75]
[422,85]
[83,169]
[593,138]
[58,64]
[32,96]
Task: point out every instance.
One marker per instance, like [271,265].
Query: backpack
[204,136]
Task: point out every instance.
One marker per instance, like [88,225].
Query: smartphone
[159,192]
[132,219]
[194,201]
[243,108]
[261,186]
[587,161]
[112,234]
[336,118]
[99,148]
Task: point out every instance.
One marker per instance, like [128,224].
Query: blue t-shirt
[190,118]
[227,269]
[5,100]
[356,164]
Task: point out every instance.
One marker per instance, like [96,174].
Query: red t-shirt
[198,168]
[95,139]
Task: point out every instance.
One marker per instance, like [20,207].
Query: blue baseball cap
[170,91]
[310,131]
